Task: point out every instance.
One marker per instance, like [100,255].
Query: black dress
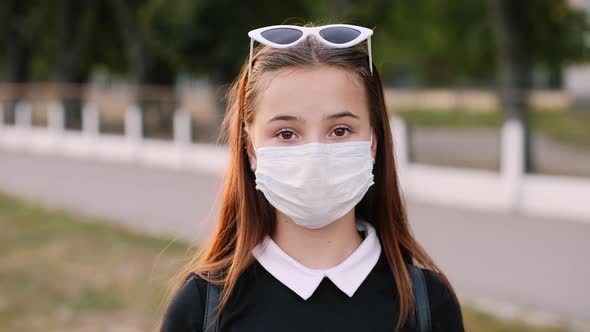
[262,303]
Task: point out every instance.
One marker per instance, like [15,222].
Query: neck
[321,248]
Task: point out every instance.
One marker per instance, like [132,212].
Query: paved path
[149,199]
[540,263]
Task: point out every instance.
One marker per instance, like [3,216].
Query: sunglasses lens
[339,35]
[282,36]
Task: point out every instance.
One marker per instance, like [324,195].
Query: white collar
[348,275]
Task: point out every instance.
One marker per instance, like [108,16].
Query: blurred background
[110,173]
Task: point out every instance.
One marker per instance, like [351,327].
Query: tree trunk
[16,42]
[555,78]
[511,29]
[136,51]
[147,68]
[77,22]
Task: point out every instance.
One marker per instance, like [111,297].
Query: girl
[313,233]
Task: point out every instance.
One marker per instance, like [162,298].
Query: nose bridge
[314,165]
[315,138]
[314,134]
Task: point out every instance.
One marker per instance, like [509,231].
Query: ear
[374,145]
[250,149]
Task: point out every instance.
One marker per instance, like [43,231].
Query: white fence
[510,190]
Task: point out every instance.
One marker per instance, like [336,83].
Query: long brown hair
[246,217]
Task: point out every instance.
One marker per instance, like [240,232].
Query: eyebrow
[342,115]
[284,118]
[339,115]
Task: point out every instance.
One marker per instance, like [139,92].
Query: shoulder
[445,311]
[437,290]
[186,308]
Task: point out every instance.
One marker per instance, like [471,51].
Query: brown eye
[286,134]
[340,131]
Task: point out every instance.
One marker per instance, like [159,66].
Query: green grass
[64,272]
[476,320]
[562,126]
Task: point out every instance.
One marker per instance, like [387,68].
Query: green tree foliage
[423,43]
[444,43]
[20,26]
[211,36]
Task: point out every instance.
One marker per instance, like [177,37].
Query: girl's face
[295,106]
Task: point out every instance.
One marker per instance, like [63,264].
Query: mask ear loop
[252,166]
[371,144]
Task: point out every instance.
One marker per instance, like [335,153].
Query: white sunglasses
[333,35]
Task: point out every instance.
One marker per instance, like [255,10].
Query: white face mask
[315,184]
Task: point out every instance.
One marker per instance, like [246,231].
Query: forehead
[310,92]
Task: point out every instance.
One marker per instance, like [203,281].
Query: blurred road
[538,263]
[157,201]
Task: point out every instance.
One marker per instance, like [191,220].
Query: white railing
[179,153]
[509,190]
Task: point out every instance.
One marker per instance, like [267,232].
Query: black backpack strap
[421,298]
[210,324]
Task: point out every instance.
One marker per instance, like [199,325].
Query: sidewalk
[499,259]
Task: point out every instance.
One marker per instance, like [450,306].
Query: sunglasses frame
[365,33]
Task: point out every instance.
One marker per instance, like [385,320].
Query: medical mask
[315,183]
